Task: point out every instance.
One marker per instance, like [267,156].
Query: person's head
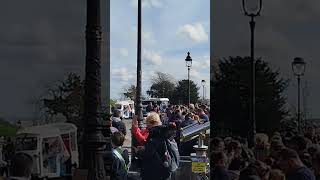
[289,160]
[249,173]
[200,111]
[261,140]
[298,143]
[235,147]
[196,118]
[21,165]
[219,158]
[310,131]
[217,144]
[117,139]
[152,120]
[116,113]
[276,174]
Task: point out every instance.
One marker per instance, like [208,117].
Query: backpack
[170,158]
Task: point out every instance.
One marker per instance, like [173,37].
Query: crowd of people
[287,155]
[157,148]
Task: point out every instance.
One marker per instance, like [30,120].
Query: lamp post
[138,103]
[188,64]
[95,144]
[252,9]
[298,68]
[139,70]
[203,83]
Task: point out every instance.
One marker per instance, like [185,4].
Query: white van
[50,146]
[126,108]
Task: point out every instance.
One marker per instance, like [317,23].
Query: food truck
[53,148]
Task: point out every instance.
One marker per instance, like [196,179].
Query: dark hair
[21,165]
[249,173]
[116,113]
[216,141]
[117,138]
[287,154]
[299,141]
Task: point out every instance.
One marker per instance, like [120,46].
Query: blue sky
[170,28]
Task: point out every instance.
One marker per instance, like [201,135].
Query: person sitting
[21,167]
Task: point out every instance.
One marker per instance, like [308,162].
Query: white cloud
[147,37]
[148,3]
[202,64]
[124,52]
[195,32]
[121,74]
[151,57]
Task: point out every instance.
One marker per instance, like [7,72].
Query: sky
[170,29]
[285,29]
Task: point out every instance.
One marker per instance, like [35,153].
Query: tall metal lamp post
[188,64]
[95,144]
[252,9]
[138,103]
[138,109]
[298,68]
[203,83]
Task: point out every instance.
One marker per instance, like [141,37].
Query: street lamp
[96,148]
[203,83]
[298,68]
[138,103]
[188,64]
[252,9]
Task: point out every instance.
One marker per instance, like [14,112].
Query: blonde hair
[153,118]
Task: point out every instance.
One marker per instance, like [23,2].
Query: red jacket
[140,135]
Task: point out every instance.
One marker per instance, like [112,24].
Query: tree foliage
[231,94]
[163,85]
[130,92]
[66,98]
[181,93]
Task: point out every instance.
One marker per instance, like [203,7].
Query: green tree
[231,94]
[181,93]
[66,98]
[162,85]
[7,129]
[130,92]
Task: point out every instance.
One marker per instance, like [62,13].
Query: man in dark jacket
[117,122]
[160,149]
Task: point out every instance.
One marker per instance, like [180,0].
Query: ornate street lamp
[252,9]
[203,83]
[96,147]
[298,68]
[188,64]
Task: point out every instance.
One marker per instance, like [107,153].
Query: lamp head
[298,66]
[188,60]
[252,7]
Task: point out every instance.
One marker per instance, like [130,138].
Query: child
[120,157]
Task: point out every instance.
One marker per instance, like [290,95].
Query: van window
[26,143]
